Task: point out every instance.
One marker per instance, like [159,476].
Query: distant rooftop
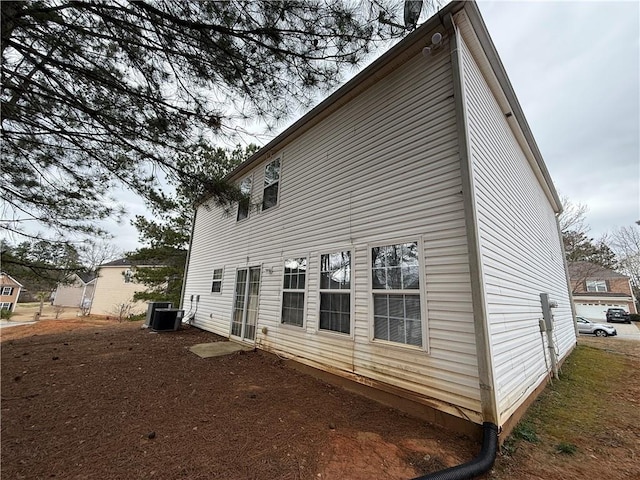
[121,262]
[584,270]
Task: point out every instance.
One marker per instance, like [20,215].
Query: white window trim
[288,326]
[233,293]
[9,306]
[221,281]
[351,291]
[127,275]
[7,294]
[422,292]
[264,167]
[250,177]
[596,283]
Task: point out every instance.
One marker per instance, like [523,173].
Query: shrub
[566,448]
[6,314]
[635,317]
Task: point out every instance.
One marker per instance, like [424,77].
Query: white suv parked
[597,329]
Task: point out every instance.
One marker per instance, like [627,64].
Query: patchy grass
[566,448]
[572,418]
[577,404]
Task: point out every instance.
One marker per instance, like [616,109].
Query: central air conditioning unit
[151,308]
[166,319]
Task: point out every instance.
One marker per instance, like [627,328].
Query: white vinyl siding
[520,251]
[384,164]
[111,292]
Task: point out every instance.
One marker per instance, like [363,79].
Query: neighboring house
[595,289]
[9,292]
[77,292]
[114,289]
[400,235]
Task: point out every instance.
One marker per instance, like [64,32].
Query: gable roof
[124,262]
[399,54]
[588,270]
[15,282]
[87,277]
[121,262]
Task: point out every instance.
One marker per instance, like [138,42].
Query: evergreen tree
[161,262]
[104,93]
[40,266]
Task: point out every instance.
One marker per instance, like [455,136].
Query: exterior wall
[111,291]
[520,251]
[69,295]
[384,168]
[6,281]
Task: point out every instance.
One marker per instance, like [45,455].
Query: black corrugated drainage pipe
[476,467]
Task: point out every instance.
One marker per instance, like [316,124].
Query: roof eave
[480,28]
[398,54]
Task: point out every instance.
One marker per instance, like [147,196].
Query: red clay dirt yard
[89,398]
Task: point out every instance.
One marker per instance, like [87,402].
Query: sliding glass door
[245,305]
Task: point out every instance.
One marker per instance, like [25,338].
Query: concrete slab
[12,323]
[217,349]
[628,331]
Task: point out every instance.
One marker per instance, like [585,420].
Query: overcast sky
[575,68]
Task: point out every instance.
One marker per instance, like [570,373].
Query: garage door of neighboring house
[594,311]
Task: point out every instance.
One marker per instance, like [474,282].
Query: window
[216,282]
[271,182]
[7,290]
[596,286]
[128,276]
[395,276]
[335,292]
[245,201]
[6,306]
[295,272]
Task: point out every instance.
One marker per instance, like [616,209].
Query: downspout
[485,459]
[186,265]
[566,274]
[488,397]
[476,467]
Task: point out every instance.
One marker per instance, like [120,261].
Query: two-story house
[596,288]
[9,292]
[402,234]
[77,291]
[114,289]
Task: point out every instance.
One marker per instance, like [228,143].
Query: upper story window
[271,184]
[128,276]
[245,201]
[7,291]
[295,273]
[335,292]
[596,286]
[216,282]
[395,276]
